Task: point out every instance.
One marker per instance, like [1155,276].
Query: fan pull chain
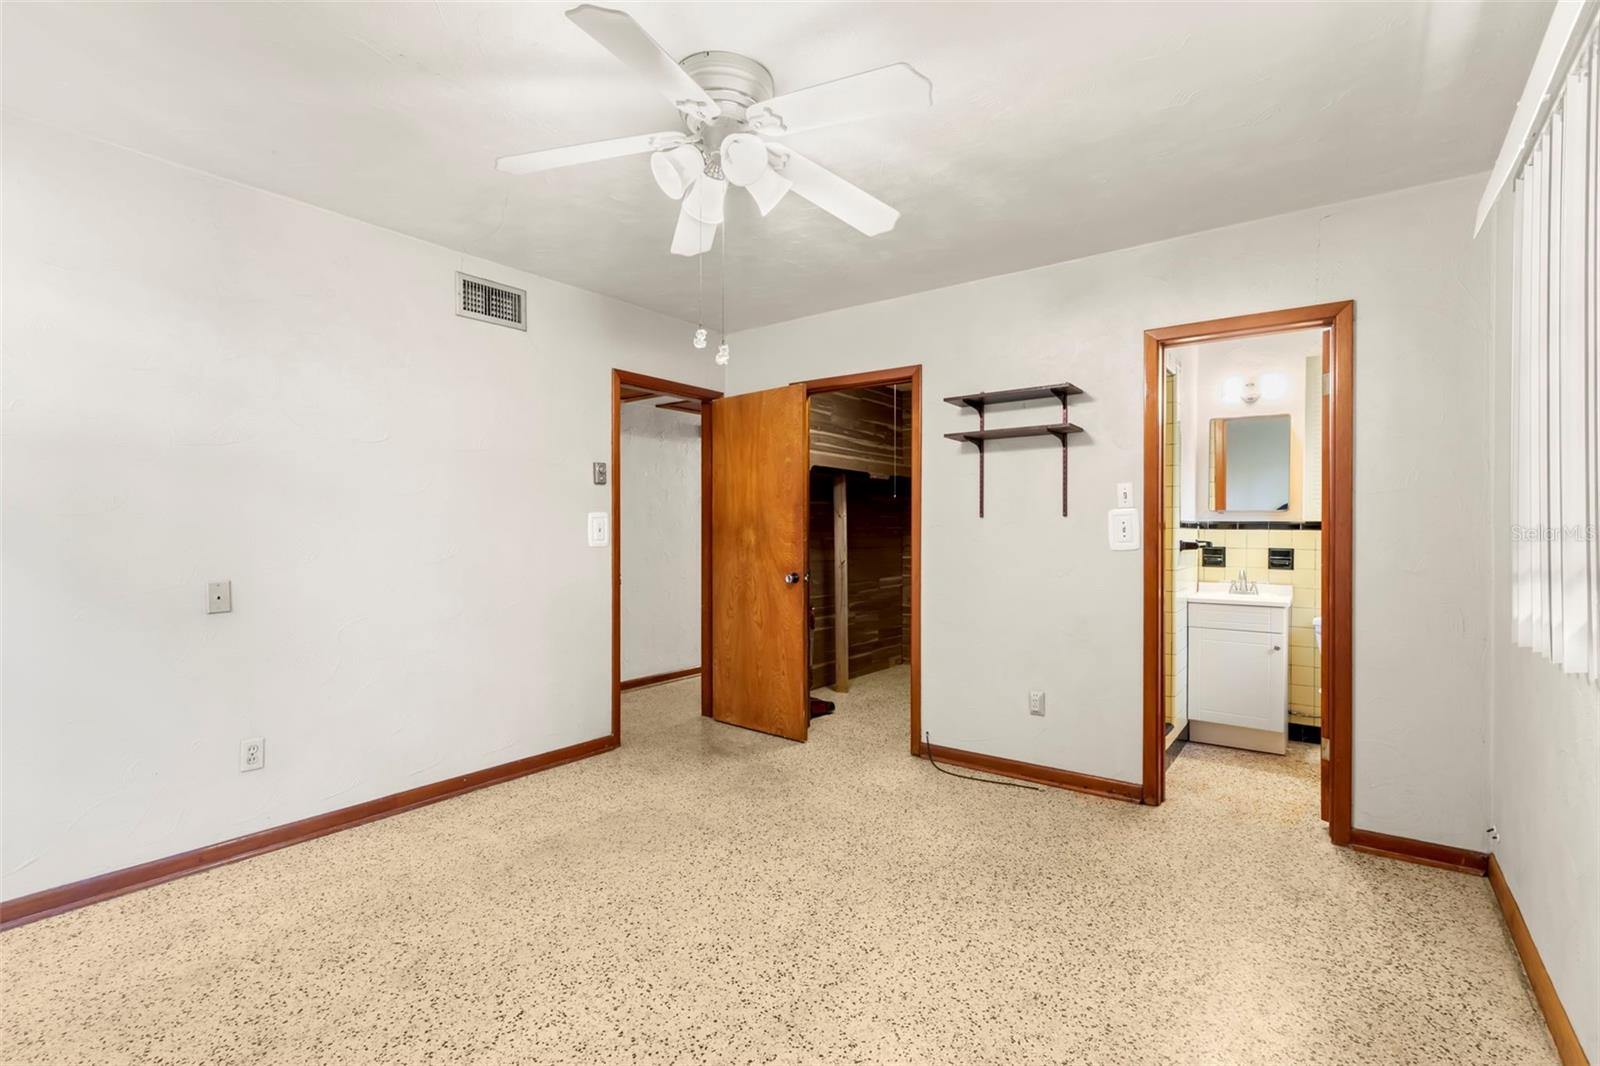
[722,348]
[700,301]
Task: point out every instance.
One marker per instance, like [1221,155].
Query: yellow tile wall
[1247,548]
[1180,571]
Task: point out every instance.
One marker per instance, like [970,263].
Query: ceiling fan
[732,125]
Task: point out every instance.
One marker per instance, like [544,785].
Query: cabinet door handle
[1277,647]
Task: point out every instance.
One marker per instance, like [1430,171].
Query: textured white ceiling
[1058,130]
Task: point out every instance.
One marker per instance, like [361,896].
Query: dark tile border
[1311,734]
[1249,525]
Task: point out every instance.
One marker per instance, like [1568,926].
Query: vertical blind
[1556,380]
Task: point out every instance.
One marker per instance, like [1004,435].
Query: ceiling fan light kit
[768,190]
[706,199]
[675,169]
[744,159]
[730,114]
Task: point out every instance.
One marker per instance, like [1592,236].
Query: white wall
[660,540]
[206,381]
[1025,599]
[1545,762]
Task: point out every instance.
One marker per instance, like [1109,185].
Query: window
[1556,377]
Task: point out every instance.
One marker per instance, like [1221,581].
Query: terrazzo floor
[706,894]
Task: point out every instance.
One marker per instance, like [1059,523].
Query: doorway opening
[660,616]
[864,541]
[1248,479]
[859,545]
[760,490]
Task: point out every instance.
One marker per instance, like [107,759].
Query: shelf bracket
[1064,435]
[979,443]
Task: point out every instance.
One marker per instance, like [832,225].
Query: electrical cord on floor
[927,749]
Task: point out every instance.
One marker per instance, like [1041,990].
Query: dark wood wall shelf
[981,401]
[1054,429]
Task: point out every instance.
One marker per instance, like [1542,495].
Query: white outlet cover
[252,754]
[1123,529]
[1124,494]
[1036,704]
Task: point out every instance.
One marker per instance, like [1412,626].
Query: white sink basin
[1217,592]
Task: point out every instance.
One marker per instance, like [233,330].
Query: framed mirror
[1250,463]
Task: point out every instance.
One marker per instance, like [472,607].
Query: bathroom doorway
[1248,467]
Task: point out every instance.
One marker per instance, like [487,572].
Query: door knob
[791,579]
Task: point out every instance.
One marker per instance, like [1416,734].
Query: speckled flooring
[712,895]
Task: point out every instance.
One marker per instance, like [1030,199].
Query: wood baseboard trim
[660,679]
[1544,989]
[1040,775]
[52,901]
[1440,856]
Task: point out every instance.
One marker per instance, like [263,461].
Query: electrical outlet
[252,754]
[1036,704]
[1124,529]
[599,473]
[1124,494]
[219,597]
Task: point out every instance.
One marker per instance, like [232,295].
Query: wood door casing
[1338,480]
[759,493]
[1325,764]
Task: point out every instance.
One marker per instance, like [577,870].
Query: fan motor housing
[732,80]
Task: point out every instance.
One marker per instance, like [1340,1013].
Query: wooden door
[759,462]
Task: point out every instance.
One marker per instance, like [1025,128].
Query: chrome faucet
[1243,586]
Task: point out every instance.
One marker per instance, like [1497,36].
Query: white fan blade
[877,92]
[692,237]
[573,154]
[624,38]
[834,195]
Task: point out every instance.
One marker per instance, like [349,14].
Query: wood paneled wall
[865,430]
[880,574]
[854,433]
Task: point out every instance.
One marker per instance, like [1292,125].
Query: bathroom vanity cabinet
[1239,668]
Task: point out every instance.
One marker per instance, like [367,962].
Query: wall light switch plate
[219,597]
[252,754]
[599,529]
[1036,704]
[1124,494]
[1124,529]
